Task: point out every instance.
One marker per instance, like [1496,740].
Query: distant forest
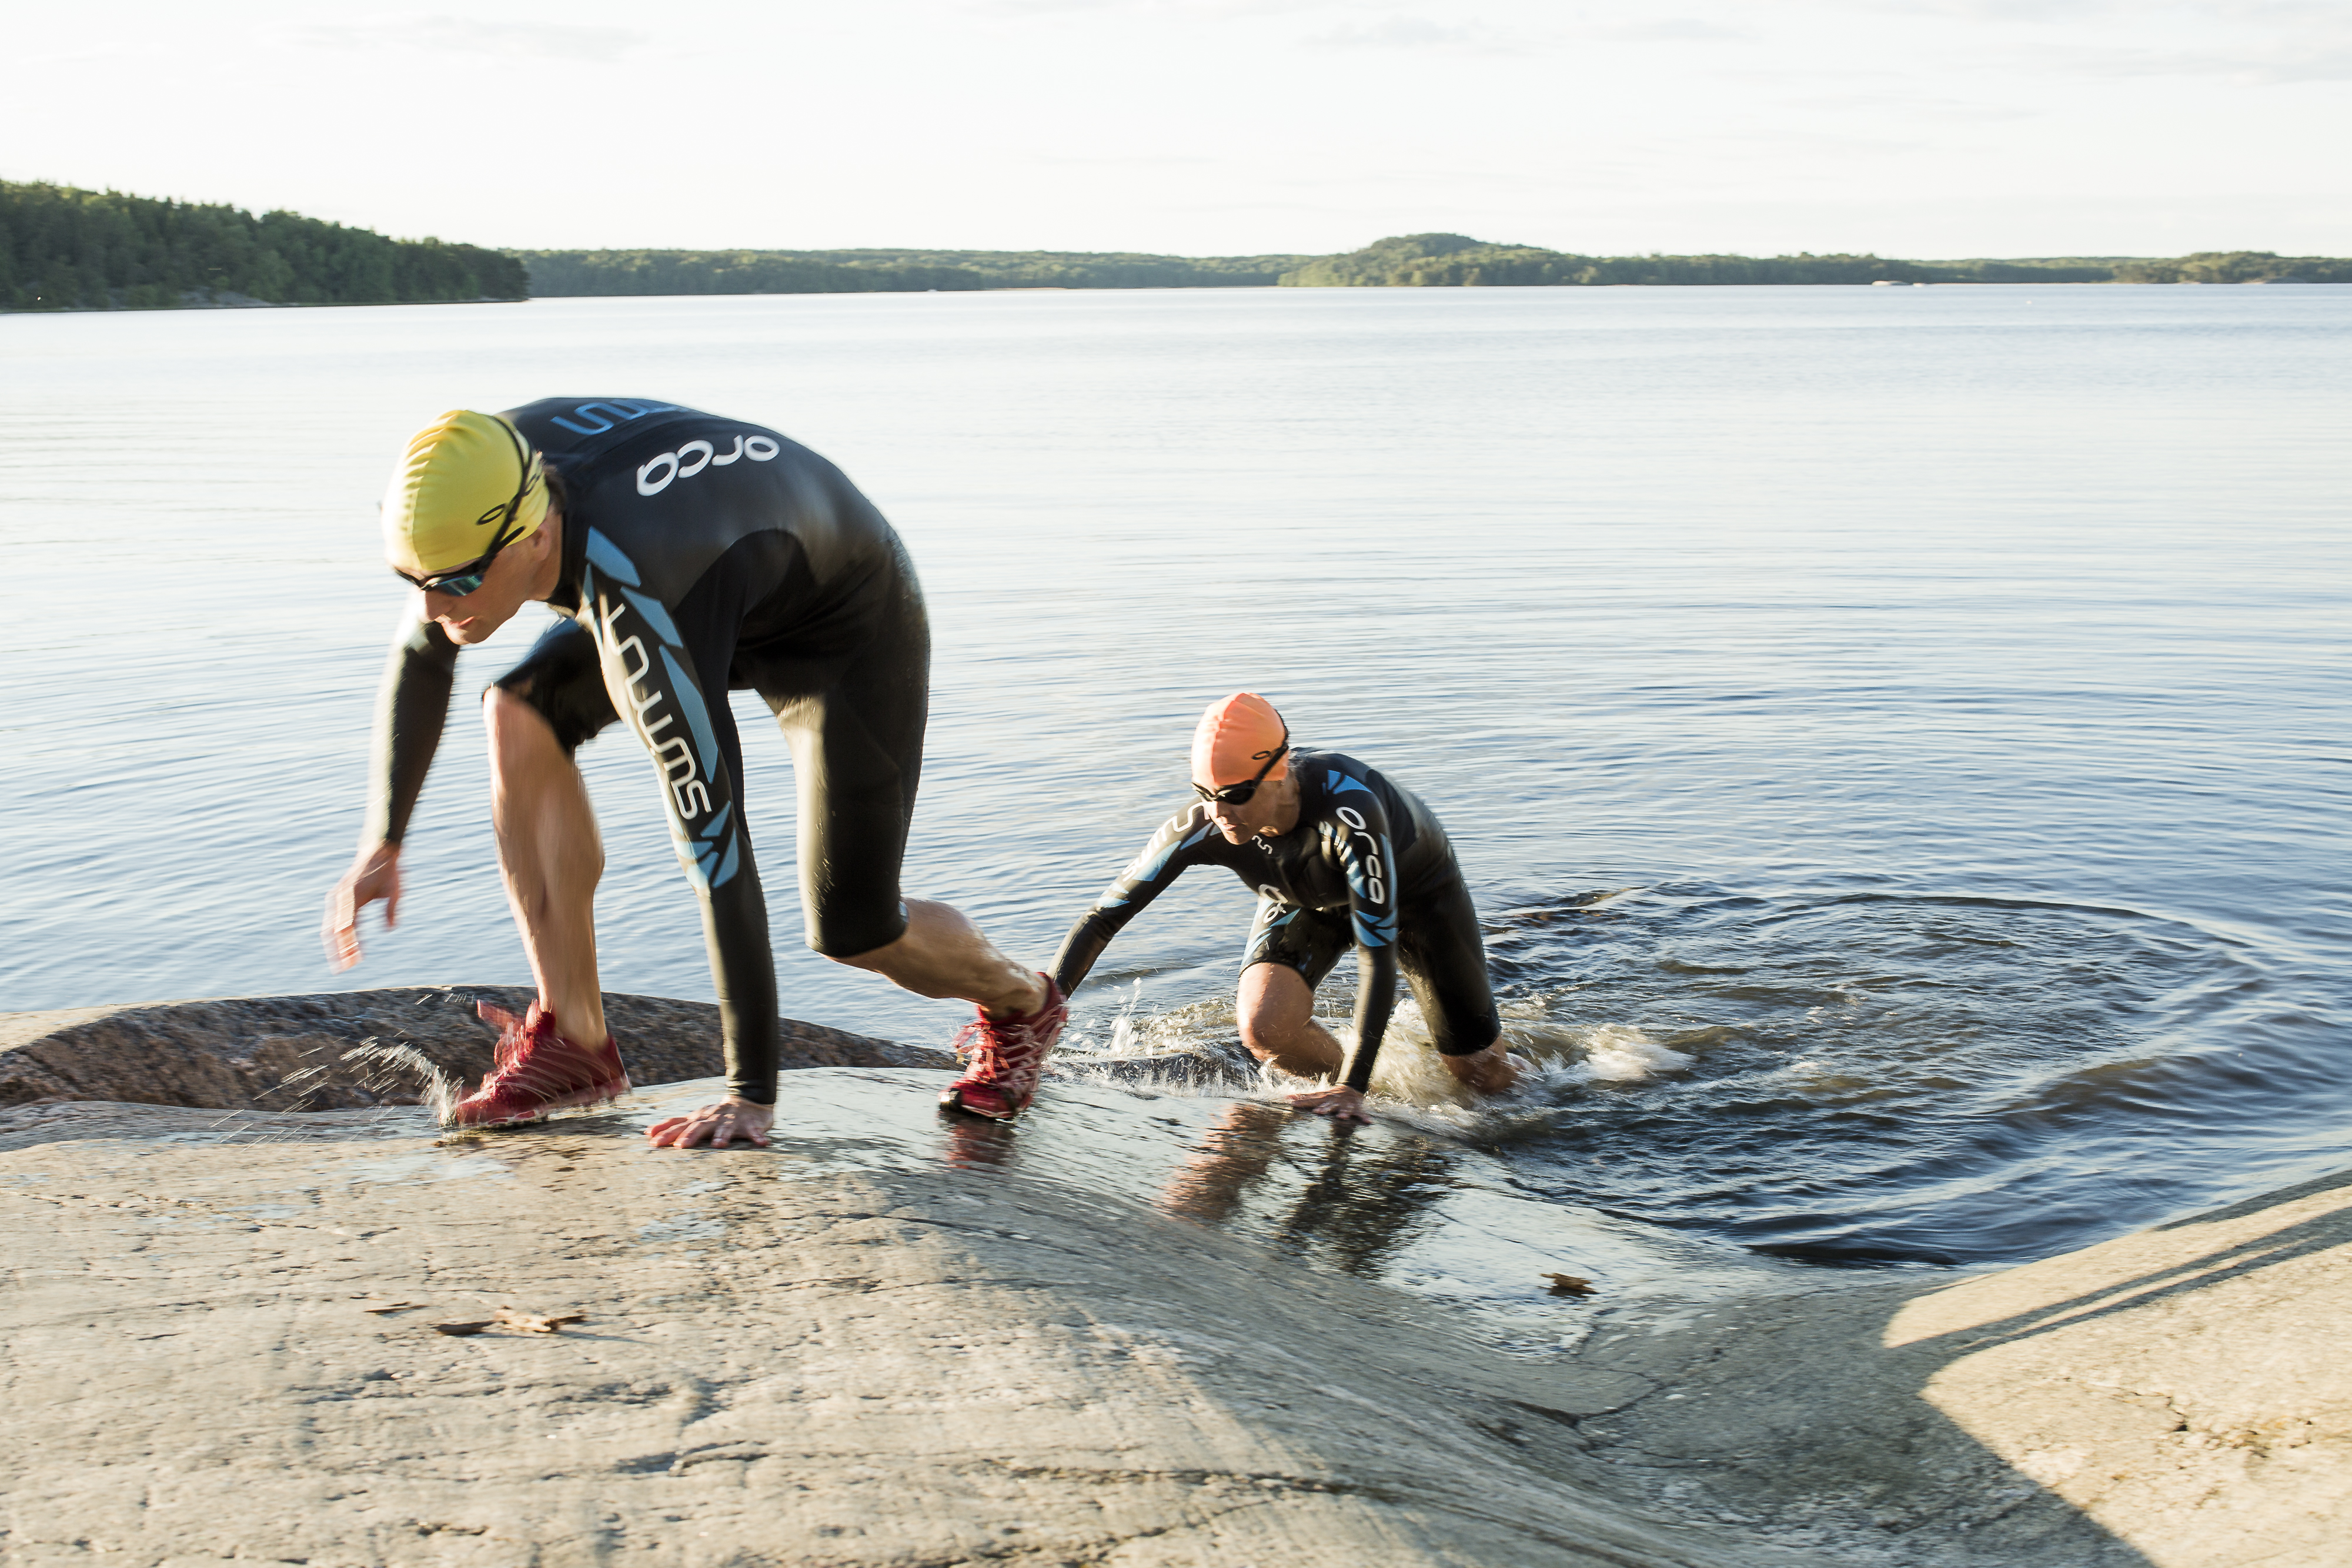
[1440,260]
[67,249]
[1406,261]
[581,272]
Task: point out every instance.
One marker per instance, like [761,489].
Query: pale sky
[1914,128]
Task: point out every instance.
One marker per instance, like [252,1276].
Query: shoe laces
[509,1058]
[510,1037]
[994,1047]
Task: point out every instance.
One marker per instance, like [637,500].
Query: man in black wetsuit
[689,555]
[1338,856]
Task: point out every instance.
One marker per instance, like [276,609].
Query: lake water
[1948,683]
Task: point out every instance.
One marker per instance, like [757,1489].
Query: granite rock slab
[306,1052]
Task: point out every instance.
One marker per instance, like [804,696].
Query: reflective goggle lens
[455,584]
[1240,794]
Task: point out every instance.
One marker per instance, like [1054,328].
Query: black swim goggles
[461,580]
[1240,794]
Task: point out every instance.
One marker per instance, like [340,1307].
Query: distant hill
[1444,260]
[592,272]
[2237,267]
[67,249]
[1403,261]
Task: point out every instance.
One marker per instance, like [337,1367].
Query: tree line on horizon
[62,248]
[576,273]
[1403,261]
[1447,260]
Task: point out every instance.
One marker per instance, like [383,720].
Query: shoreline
[251,304]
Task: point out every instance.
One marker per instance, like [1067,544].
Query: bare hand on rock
[717,1125]
[1343,1105]
[374,875]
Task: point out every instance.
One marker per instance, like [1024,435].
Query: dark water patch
[1905,1077]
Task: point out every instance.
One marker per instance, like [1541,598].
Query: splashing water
[368,1075]
[387,1064]
[1848,1077]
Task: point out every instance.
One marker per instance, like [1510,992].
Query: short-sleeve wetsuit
[1366,863]
[701,554]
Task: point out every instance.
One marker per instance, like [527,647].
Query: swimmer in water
[686,554]
[1338,856]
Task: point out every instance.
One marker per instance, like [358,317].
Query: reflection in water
[972,1143]
[1234,1154]
[1355,1210]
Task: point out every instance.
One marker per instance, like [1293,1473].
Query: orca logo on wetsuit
[695,456]
[1375,883]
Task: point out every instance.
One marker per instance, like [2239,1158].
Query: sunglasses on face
[1241,794]
[460,581]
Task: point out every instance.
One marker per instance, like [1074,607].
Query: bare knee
[1275,1011]
[929,924]
[1267,1037]
[880,961]
[536,792]
[521,740]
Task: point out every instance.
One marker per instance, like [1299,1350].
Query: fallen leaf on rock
[464,1328]
[532,1323]
[1569,1285]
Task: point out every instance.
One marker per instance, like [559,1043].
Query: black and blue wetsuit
[702,554]
[1366,865]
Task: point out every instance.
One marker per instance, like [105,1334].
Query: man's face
[1256,815]
[506,588]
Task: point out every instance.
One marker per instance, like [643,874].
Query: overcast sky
[1918,127]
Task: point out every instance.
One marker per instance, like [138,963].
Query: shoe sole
[953,1100]
[612,1089]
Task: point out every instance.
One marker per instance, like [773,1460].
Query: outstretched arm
[1360,836]
[412,707]
[1175,846]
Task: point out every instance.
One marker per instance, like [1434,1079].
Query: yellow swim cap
[467,484]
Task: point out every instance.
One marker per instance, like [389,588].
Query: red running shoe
[538,1070]
[1004,1058]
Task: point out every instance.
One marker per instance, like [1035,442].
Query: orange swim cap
[1235,737]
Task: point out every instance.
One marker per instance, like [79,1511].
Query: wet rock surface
[296,1053]
[882,1342]
[1138,1327]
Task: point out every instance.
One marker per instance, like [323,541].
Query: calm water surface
[1946,684]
